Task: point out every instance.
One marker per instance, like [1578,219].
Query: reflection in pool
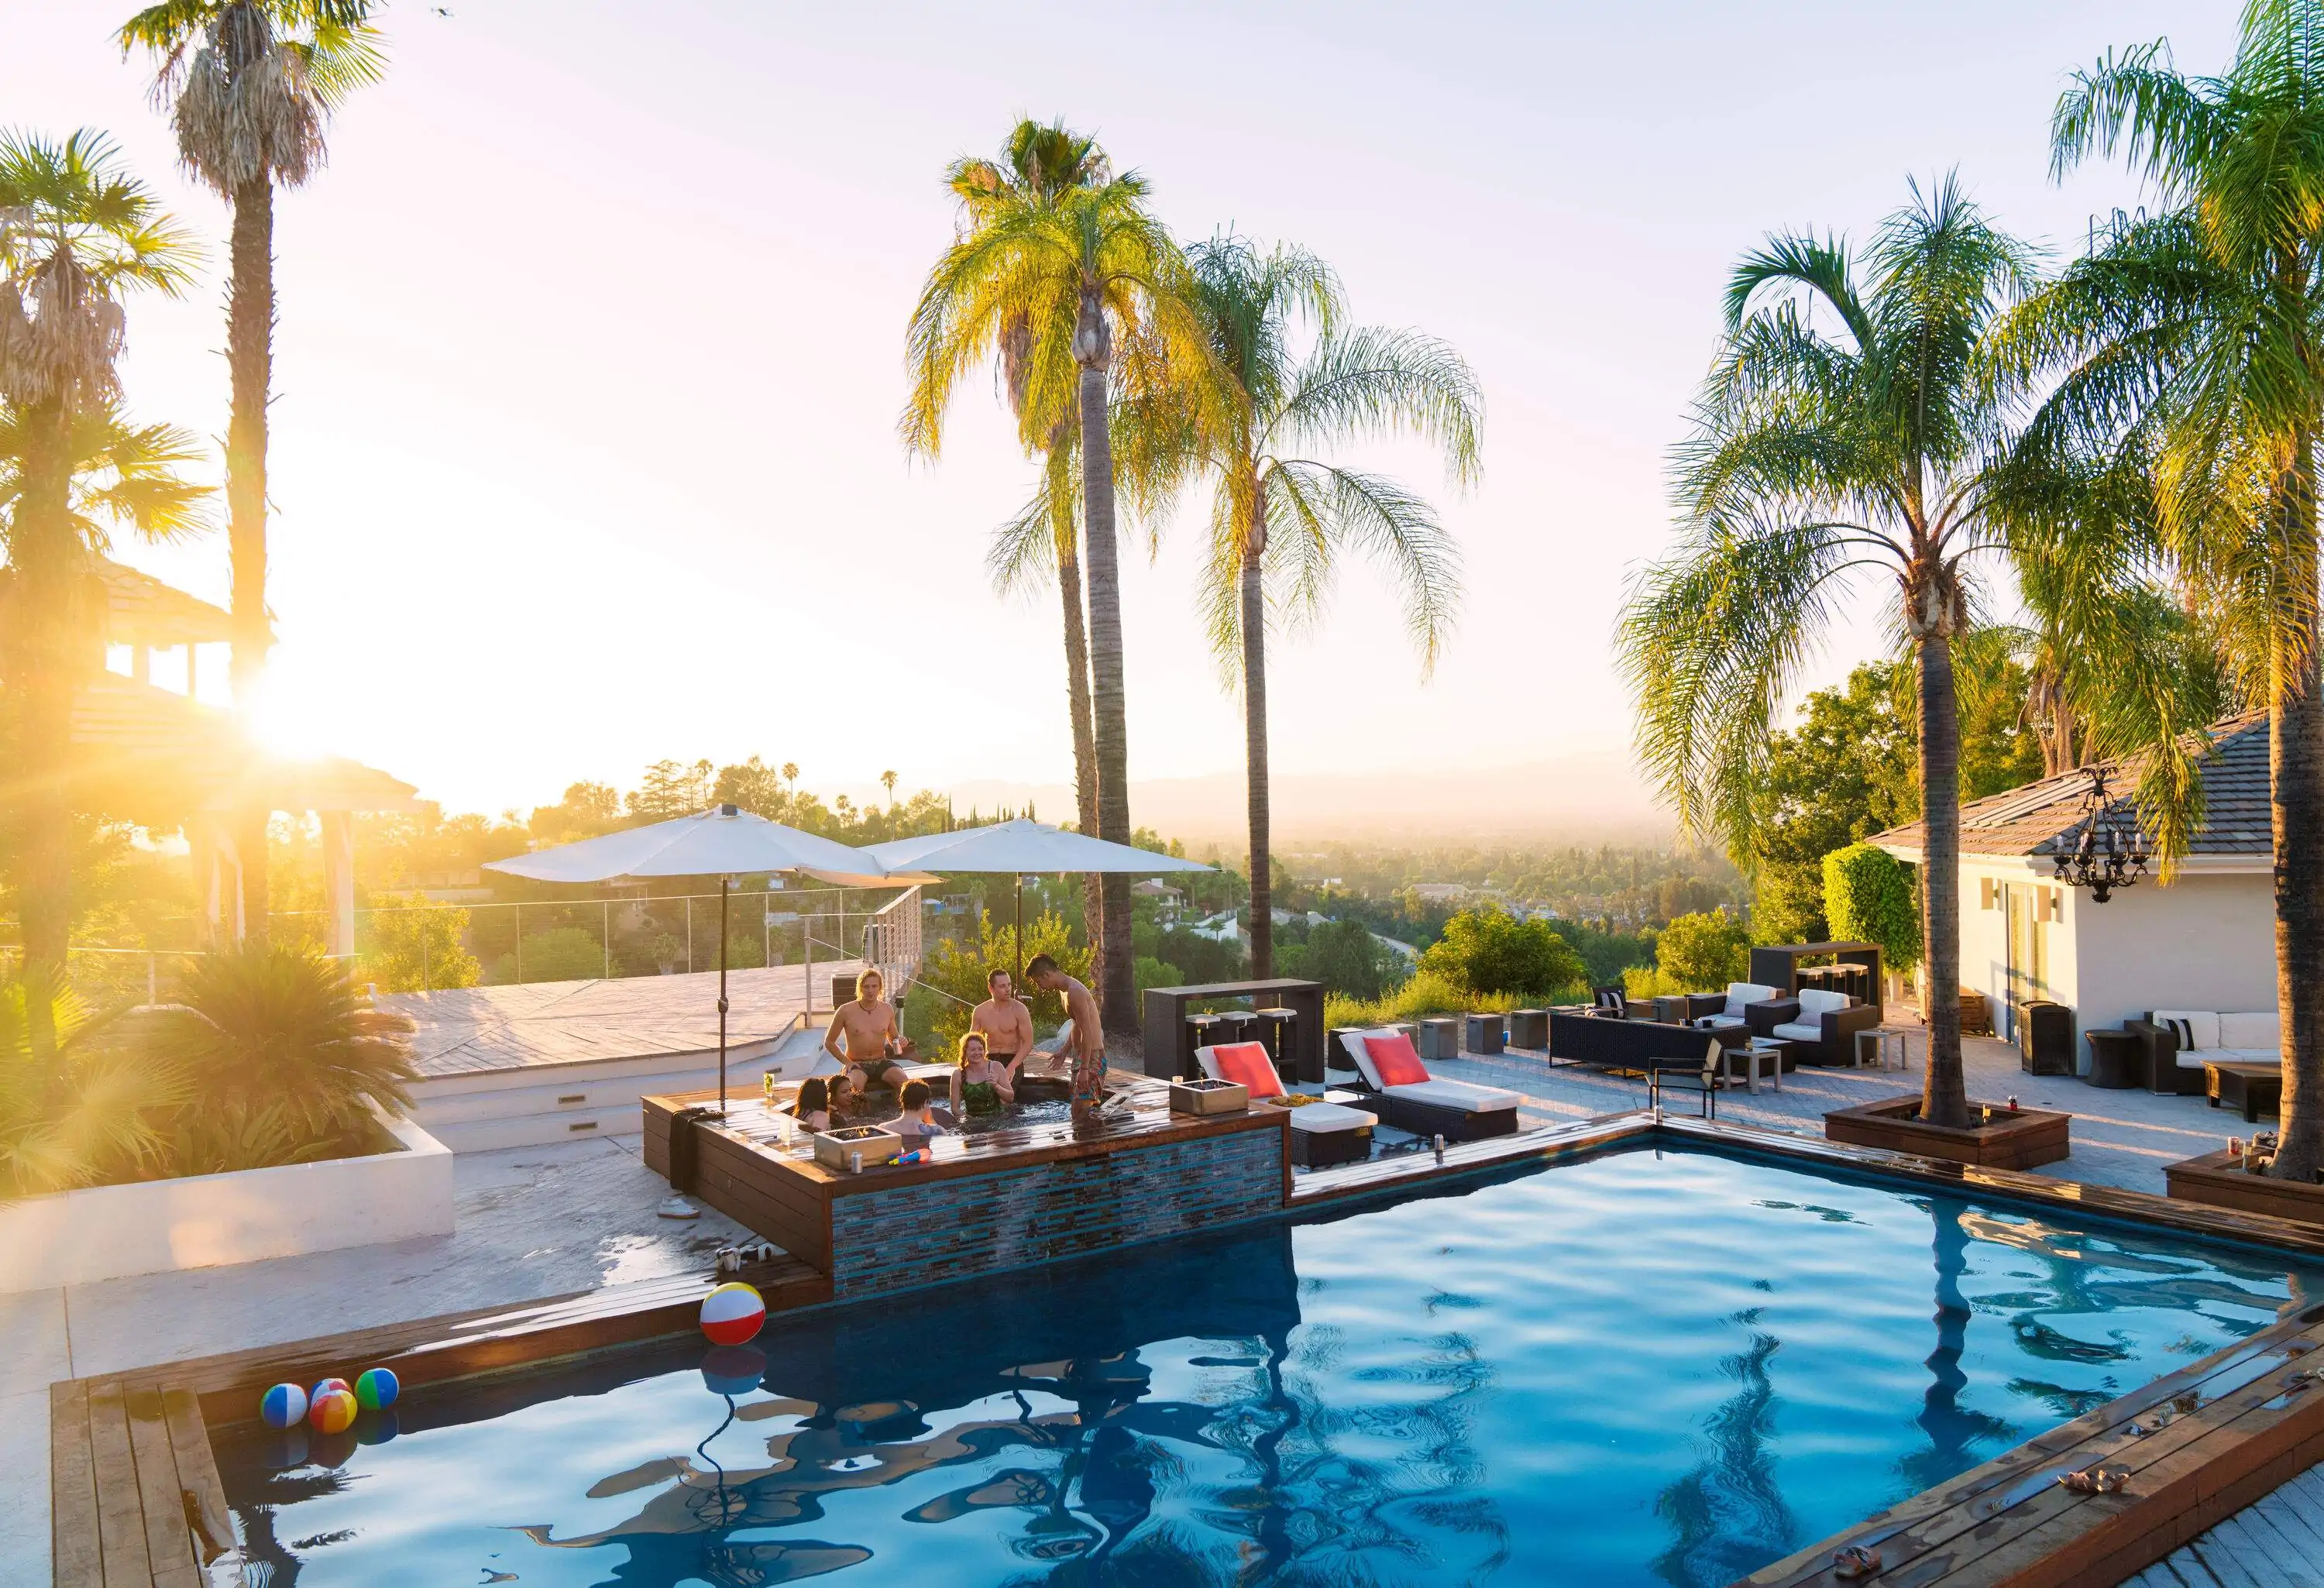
[1648,1366]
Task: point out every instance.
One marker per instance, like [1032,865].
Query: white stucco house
[2207,941]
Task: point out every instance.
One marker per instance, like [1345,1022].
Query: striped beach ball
[324,1385]
[376,1388]
[283,1407]
[333,1411]
[732,1314]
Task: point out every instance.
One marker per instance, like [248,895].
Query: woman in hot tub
[980,1085]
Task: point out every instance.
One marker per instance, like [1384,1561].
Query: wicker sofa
[1817,1027]
[1598,1043]
[2177,1043]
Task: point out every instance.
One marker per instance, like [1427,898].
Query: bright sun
[288,725]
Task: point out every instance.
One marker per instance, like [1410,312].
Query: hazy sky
[591,348]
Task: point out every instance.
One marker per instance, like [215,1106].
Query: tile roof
[2044,818]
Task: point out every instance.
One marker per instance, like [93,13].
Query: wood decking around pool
[136,1498]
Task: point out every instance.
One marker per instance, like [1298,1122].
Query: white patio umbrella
[724,842]
[1018,847]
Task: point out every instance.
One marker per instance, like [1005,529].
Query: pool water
[1649,1367]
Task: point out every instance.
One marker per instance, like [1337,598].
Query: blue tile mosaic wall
[884,1241]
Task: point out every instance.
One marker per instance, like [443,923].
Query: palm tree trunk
[1118,998]
[250,358]
[1254,741]
[1944,1099]
[42,667]
[1077,695]
[2296,798]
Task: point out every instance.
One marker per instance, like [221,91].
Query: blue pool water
[1650,1367]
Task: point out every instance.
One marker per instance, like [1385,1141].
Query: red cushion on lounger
[1248,1063]
[1393,1058]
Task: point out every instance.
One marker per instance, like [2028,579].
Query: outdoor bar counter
[1004,1198]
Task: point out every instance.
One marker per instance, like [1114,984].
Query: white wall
[203,1221]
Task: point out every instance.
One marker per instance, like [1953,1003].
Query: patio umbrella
[723,841]
[1018,847]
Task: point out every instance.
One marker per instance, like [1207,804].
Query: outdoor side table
[2251,1087]
[1485,1034]
[1754,1053]
[1528,1028]
[2115,1060]
[1440,1039]
[1874,1045]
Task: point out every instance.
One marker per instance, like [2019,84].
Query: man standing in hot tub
[1004,1023]
[1087,1046]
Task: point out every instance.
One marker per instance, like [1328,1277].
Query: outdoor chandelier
[2106,857]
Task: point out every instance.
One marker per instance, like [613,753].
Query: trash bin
[2046,1037]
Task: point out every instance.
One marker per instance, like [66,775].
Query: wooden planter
[2216,1179]
[2017,1141]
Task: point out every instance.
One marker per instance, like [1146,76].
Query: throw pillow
[1394,1060]
[1248,1064]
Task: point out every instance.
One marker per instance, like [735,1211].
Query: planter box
[206,1221]
[2017,1141]
[2215,1179]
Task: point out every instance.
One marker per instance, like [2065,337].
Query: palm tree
[77,233]
[251,85]
[888,781]
[1873,443]
[1281,516]
[2192,347]
[1073,286]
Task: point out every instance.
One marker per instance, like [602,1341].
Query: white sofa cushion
[1718,1023]
[1460,1094]
[1739,994]
[2202,1026]
[2238,1056]
[1816,1001]
[1327,1117]
[1800,1031]
[2263,1030]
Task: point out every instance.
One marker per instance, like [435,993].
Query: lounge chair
[1730,1011]
[1321,1132]
[1405,1095]
[1823,1030]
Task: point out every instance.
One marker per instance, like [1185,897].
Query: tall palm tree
[1280,515]
[2193,343]
[251,85]
[74,234]
[1846,425]
[1074,287]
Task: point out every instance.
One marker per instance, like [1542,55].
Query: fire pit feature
[1209,1096]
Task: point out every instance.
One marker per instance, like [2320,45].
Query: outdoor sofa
[2177,1043]
[1321,1132]
[1403,1092]
[1819,1026]
[1622,1045]
[1730,1012]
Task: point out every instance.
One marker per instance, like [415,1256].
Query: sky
[591,351]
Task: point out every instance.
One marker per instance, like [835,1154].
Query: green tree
[1704,953]
[416,947]
[955,970]
[587,810]
[251,85]
[78,234]
[1490,950]
[671,788]
[1871,438]
[2188,349]
[1061,277]
[1345,956]
[1870,897]
[1282,515]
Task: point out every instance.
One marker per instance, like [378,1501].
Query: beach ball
[376,1388]
[733,1369]
[732,1314]
[326,1386]
[283,1407]
[332,1412]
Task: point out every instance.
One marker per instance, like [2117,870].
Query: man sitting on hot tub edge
[864,1037]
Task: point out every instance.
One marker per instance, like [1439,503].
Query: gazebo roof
[141,610]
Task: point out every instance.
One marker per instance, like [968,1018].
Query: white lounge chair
[1321,1132]
[1457,1111]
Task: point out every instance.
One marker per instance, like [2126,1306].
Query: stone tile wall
[887,1240]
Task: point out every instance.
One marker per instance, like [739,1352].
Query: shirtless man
[863,1036]
[1004,1023]
[1087,1048]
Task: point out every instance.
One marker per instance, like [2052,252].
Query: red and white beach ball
[732,1314]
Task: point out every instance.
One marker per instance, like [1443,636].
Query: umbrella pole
[724,883]
[1021,931]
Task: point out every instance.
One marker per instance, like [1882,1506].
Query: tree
[1816,452]
[1702,953]
[1869,896]
[1345,956]
[888,781]
[251,85]
[671,788]
[2189,351]
[77,233]
[1490,950]
[1074,285]
[1281,519]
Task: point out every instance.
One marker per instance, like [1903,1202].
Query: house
[2205,941]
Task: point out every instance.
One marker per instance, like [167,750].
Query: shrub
[955,970]
[83,1115]
[1701,953]
[561,954]
[1870,897]
[1427,994]
[1488,950]
[414,948]
[1159,973]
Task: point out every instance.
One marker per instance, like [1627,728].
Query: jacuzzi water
[1652,1366]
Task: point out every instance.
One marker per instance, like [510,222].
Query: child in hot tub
[919,1118]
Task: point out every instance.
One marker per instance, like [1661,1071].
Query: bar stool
[1201,1031]
[1278,1028]
[1236,1025]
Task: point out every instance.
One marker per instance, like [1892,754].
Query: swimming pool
[1650,1366]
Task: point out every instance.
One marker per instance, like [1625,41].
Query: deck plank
[120,1518]
[197,1473]
[168,1540]
[73,1539]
